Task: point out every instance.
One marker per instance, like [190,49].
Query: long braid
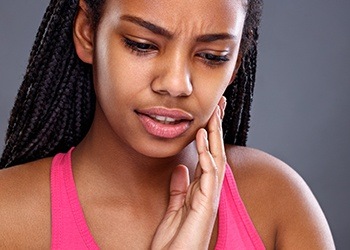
[248,98]
[54,107]
[234,94]
[26,88]
[240,93]
[242,132]
[55,103]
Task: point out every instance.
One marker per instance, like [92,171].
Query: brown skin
[129,207]
[282,208]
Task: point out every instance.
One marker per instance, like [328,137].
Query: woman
[133,90]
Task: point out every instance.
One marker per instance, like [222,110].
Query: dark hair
[55,104]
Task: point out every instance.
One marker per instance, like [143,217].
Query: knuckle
[175,192]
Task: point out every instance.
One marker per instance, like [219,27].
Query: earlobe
[83,34]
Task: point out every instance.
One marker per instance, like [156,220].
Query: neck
[117,169]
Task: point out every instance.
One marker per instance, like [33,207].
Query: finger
[206,168]
[178,188]
[222,105]
[202,146]
[216,144]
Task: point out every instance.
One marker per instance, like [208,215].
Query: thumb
[178,188]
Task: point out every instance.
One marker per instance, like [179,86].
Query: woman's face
[161,67]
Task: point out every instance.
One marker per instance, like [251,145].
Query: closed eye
[213,60]
[139,48]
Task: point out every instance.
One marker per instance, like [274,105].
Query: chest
[125,230]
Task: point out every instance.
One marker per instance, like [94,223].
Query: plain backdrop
[301,108]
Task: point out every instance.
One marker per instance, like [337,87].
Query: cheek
[213,83]
[118,78]
[208,96]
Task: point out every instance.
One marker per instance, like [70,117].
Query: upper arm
[24,207]
[302,224]
[279,202]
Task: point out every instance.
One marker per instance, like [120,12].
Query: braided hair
[55,104]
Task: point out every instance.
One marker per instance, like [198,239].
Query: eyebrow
[148,25]
[166,33]
[214,37]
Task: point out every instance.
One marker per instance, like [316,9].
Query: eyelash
[213,60]
[142,49]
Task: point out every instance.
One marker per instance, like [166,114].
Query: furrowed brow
[214,37]
[148,25]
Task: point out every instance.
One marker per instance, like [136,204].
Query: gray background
[301,105]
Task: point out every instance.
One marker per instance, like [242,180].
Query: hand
[192,209]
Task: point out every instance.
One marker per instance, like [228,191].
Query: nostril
[172,87]
[173,79]
[162,92]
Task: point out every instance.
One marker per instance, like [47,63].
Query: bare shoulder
[281,205]
[25,205]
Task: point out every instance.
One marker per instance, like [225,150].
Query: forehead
[177,15]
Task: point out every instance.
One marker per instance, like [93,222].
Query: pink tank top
[70,230]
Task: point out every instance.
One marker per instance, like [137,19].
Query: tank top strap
[69,229]
[235,227]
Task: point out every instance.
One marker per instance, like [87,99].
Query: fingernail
[218,110]
[222,107]
[205,134]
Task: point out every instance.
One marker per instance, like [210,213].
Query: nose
[174,77]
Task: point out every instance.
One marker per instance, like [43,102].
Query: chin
[162,149]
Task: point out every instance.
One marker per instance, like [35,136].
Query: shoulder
[27,181]
[25,204]
[279,201]
[254,166]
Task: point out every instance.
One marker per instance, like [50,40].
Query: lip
[176,114]
[164,123]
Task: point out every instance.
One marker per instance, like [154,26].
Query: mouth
[165,119]
[164,123]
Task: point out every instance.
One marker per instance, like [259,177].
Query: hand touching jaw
[191,213]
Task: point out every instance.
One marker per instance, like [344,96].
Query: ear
[83,34]
[238,65]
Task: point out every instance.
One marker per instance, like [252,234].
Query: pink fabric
[68,227]
[236,229]
[70,230]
